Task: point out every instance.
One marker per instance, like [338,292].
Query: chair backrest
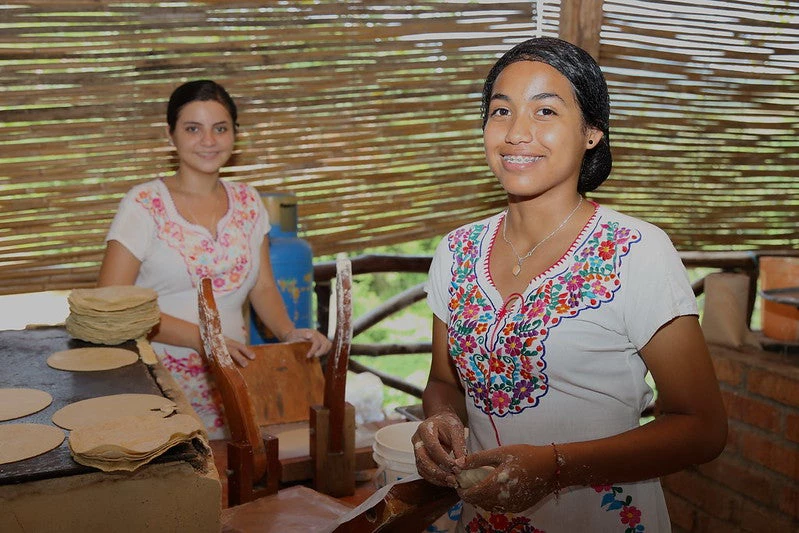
[282,383]
[239,409]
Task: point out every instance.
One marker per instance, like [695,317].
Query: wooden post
[334,471]
[581,23]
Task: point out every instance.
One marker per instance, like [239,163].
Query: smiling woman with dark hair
[547,317]
[168,233]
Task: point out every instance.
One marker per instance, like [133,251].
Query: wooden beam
[581,23]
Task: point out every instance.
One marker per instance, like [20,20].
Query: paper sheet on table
[373,500]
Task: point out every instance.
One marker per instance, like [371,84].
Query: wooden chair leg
[271,480]
[334,471]
[242,488]
[240,482]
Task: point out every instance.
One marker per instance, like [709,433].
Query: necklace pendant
[516,270]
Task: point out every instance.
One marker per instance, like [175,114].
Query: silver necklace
[196,221]
[520,259]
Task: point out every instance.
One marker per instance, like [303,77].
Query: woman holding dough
[170,232]
[547,317]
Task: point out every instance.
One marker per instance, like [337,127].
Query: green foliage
[413,324]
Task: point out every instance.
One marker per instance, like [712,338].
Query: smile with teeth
[520,159]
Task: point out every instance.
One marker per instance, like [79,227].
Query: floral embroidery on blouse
[500,353]
[629,515]
[225,260]
[501,523]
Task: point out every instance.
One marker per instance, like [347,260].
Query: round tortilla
[92,359]
[18,402]
[23,441]
[105,408]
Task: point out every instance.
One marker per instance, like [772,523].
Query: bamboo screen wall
[705,119]
[368,111]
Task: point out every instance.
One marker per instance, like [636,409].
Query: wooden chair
[282,392]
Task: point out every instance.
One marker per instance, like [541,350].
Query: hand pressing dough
[92,359]
[23,441]
[103,408]
[473,476]
[18,402]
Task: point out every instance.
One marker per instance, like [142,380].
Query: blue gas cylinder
[292,265]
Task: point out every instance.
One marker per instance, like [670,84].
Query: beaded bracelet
[559,462]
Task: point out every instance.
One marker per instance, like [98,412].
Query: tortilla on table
[104,408]
[19,402]
[23,441]
[92,359]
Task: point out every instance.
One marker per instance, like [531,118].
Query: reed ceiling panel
[369,113]
[705,119]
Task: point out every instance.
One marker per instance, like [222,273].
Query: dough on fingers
[473,476]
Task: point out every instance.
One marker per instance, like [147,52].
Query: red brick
[770,453]
[709,524]
[752,411]
[758,484]
[788,501]
[729,372]
[707,496]
[756,518]
[681,512]
[780,388]
[733,437]
[792,427]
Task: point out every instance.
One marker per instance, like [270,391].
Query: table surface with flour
[181,485]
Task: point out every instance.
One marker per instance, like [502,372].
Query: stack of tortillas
[112,315]
[129,442]
[125,431]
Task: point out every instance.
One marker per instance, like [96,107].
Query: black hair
[198,90]
[590,90]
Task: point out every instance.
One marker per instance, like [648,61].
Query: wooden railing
[324,272]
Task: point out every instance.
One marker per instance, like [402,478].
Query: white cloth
[175,254]
[561,364]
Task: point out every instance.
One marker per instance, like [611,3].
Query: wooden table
[178,491]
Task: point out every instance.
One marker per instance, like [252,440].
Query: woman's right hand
[437,443]
[239,352]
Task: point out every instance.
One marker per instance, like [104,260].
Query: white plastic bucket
[393,452]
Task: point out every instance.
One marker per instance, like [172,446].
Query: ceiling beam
[580,24]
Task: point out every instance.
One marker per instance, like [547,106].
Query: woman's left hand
[522,476]
[320,345]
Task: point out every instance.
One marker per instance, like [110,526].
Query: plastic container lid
[393,442]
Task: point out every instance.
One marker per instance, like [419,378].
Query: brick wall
[753,486]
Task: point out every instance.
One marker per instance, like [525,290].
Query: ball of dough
[473,476]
